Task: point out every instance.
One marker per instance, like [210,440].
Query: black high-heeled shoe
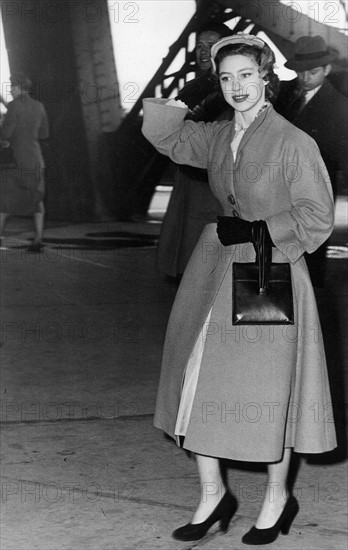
[266,536]
[223,512]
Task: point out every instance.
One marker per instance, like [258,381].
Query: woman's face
[241,83]
[15,90]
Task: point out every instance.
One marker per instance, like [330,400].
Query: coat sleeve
[339,144]
[184,142]
[310,220]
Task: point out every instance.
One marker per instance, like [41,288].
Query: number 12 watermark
[117,12]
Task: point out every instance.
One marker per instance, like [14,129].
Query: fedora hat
[310,52]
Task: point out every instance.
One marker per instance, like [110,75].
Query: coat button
[231,199]
[235,213]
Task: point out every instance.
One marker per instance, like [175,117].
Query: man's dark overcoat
[324,118]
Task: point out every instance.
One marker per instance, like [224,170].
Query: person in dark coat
[192,204]
[23,186]
[312,104]
[217,382]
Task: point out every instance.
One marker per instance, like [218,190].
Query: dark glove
[198,89]
[232,230]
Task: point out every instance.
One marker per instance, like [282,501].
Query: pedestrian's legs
[37,245]
[39,223]
[3,218]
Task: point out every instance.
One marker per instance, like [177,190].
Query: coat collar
[227,159]
[326,92]
[252,128]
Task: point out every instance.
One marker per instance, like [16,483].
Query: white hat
[240,38]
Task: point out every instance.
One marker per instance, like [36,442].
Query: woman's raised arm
[185,142]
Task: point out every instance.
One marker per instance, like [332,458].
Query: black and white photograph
[174,274]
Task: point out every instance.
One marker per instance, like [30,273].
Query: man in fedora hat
[312,104]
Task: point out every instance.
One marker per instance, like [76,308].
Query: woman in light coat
[245,392]
[23,189]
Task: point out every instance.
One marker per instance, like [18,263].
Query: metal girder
[285,24]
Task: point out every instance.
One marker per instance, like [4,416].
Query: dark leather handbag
[262,291]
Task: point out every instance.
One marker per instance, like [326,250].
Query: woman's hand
[2,100]
[232,230]
[177,103]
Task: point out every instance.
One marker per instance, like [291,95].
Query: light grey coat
[260,388]
[26,123]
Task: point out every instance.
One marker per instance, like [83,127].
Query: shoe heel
[285,528]
[222,514]
[225,521]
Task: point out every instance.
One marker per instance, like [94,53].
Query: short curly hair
[264,58]
[21,80]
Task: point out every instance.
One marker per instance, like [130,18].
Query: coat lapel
[322,96]
[250,131]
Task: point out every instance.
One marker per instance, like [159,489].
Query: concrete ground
[83,325]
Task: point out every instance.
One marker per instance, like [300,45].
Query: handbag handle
[263,254]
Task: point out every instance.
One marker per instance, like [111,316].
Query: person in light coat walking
[23,188]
